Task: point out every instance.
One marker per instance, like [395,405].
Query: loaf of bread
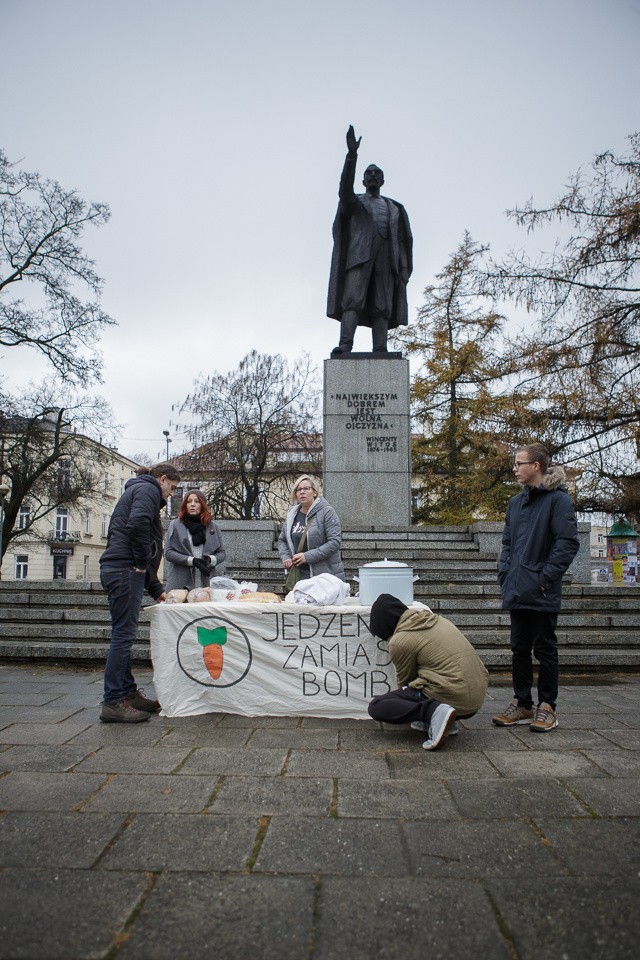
[199,595]
[260,597]
[176,596]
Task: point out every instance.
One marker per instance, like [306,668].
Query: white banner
[267,659]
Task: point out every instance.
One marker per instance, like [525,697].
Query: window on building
[122,483]
[599,538]
[62,523]
[64,476]
[24,516]
[22,566]
[105,524]
[87,521]
[105,482]
[85,568]
[601,553]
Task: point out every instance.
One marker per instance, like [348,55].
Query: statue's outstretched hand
[352,143]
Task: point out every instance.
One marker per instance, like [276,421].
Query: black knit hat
[385,613]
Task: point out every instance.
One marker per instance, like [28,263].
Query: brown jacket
[430,654]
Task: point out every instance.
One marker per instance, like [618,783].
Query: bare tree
[51,455]
[583,356]
[40,225]
[251,430]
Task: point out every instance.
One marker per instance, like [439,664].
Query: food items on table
[238,591]
[176,596]
[259,596]
[221,596]
[199,595]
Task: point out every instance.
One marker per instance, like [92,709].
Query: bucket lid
[387,563]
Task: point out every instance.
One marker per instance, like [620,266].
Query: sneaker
[441,720]
[424,727]
[138,700]
[513,714]
[122,712]
[545,719]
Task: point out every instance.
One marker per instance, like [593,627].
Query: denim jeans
[534,631]
[124,588]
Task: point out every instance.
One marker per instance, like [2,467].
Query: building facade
[68,542]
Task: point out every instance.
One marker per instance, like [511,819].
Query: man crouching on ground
[128,565]
[439,674]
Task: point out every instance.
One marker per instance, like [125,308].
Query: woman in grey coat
[321,548]
[193,547]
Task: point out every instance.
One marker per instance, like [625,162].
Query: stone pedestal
[367,441]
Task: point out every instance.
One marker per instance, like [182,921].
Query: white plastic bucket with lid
[385,576]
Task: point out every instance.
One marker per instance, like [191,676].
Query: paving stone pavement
[315,839]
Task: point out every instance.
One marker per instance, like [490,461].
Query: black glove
[203,564]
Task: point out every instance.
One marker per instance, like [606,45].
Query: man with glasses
[539,541]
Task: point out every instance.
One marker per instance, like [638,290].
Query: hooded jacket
[432,655]
[134,538]
[323,542]
[539,541]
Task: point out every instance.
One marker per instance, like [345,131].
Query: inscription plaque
[367,442]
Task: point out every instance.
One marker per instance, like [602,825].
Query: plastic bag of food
[199,595]
[233,589]
[247,588]
[224,583]
[176,596]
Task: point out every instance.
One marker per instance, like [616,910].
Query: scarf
[195,528]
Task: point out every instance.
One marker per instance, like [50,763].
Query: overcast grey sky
[215,130]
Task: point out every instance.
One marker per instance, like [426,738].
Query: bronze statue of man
[372,258]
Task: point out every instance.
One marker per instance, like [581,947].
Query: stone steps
[66,652]
[433,566]
[599,626]
[495,657]
[414,534]
[467,617]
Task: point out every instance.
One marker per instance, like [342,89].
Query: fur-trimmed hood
[554,477]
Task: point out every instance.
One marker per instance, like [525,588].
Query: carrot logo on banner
[214,651]
[213,642]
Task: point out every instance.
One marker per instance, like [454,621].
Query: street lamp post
[4,490]
[168,441]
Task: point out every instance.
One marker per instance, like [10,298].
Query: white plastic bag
[232,589]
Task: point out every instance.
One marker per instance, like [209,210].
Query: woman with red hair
[193,551]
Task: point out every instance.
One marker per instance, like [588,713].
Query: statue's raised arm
[352,143]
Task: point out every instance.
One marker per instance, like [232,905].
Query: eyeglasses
[303,489]
[522,463]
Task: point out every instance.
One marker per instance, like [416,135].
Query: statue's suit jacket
[353,235]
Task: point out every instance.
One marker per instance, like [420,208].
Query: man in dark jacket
[128,565]
[539,541]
